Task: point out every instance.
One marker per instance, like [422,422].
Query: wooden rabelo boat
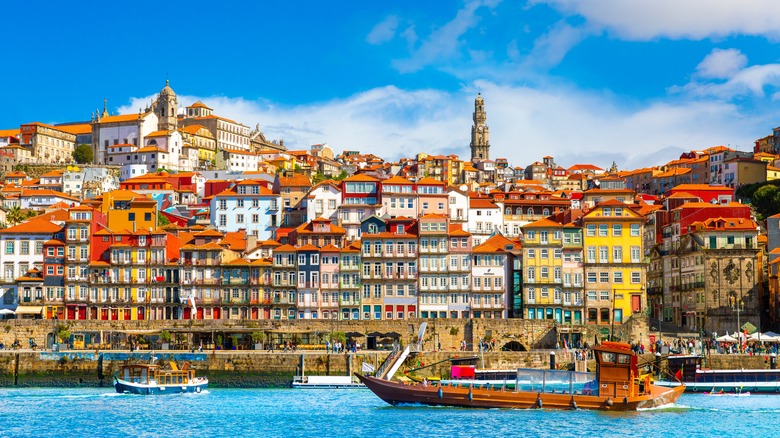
[150,379]
[617,385]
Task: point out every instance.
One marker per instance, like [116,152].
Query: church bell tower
[166,108]
[480,133]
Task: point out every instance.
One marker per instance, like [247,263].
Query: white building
[324,200]
[237,160]
[485,218]
[458,205]
[21,249]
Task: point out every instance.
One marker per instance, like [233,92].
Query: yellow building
[202,139]
[126,210]
[543,265]
[613,265]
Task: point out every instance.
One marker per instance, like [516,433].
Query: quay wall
[257,369]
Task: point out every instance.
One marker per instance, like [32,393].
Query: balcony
[235,281]
[206,281]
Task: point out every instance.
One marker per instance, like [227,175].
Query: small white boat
[727,394]
[326,382]
[150,380]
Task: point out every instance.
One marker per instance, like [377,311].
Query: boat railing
[388,361]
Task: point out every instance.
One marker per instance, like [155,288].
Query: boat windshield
[555,381]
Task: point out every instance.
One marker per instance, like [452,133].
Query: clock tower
[480,133]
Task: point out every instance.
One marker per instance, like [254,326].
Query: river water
[356,413]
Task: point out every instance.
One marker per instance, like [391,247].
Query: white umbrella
[6,312]
[726,338]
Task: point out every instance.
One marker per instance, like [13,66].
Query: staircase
[380,372]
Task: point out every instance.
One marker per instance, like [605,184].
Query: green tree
[318,178]
[766,201]
[341,176]
[15,215]
[162,220]
[83,154]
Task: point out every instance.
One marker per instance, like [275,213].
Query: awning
[29,310]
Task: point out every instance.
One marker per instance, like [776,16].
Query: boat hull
[124,387]
[396,393]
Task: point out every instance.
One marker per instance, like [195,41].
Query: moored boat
[695,379]
[147,379]
[326,382]
[617,385]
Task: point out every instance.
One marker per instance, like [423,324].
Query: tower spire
[480,133]
[105,107]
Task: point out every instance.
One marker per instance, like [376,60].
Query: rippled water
[288,412]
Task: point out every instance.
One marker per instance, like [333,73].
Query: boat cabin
[617,372]
[152,374]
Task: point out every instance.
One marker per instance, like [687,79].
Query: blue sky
[636,82]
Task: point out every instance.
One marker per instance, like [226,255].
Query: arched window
[372,228]
[546,212]
[508,210]
[530,211]
[519,211]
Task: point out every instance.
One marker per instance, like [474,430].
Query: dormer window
[401,229]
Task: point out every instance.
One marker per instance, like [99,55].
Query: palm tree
[15,215]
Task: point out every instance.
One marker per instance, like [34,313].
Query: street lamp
[53,334]
[738,306]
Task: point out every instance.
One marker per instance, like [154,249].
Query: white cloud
[721,64]
[723,74]
[383,31]
[549,49]
[688,19]
[525,123]
[445,42]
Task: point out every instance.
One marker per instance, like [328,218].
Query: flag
[367,367]
[192,304]
[679,374]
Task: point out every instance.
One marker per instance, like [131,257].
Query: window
[617,277]
[557,253]
[603,230]
[634,230]
[603,277]
[301,259]
[604,295]
[531,274]
[222,220]
[603,254]
[591,230]
[636,277]
[544,253]
[591,254]
[531,253]
[617,230]
[240,218]
[591,277]
[635,254]
[9,247]
[544,272]
[617,254]
[131,216]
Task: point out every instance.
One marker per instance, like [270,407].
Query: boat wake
[670,407]
[195,394]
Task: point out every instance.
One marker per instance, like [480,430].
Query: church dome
[167,89]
